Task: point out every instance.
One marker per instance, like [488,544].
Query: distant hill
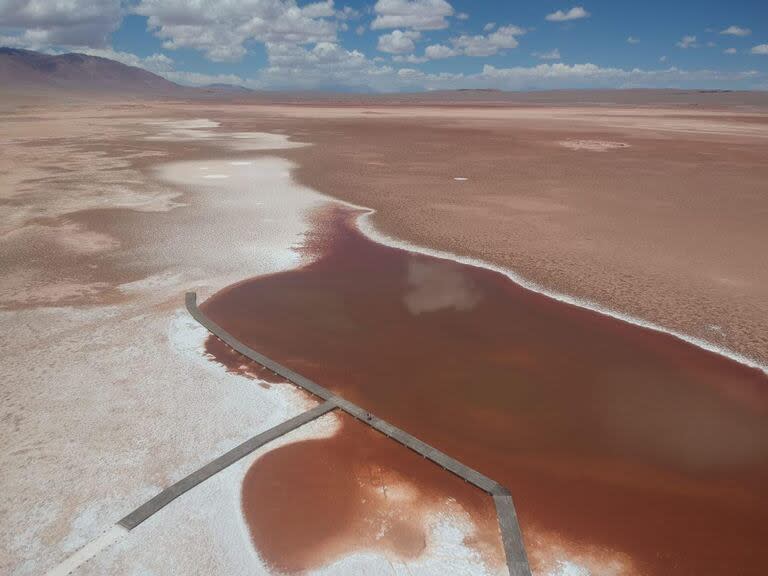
[27,70]
[230,88]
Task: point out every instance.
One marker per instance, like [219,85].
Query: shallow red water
[611,437]
[312,502]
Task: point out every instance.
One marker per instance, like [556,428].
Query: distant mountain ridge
[74,72]
[232,88]
[26,72]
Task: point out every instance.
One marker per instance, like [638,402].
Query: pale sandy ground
[107,396]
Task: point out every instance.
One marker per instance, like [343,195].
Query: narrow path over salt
[201,475]
[514,549]
[88,551]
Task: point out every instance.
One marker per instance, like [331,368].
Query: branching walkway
[154,505]
[172,492]
[514,549]
[517,561]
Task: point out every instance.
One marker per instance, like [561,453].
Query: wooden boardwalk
[154,505]
[514,549]
[174,491]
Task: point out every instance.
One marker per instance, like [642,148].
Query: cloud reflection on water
[437,286]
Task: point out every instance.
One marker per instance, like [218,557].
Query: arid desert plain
[570,297]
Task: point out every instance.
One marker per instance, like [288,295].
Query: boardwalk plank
[202,474]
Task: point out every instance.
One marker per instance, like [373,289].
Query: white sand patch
[397,489]
[156,282]
[460,179]
[203,129]
[241,163]
[592,145]
[256,218]
[446,553]
[263,141]
[553,556]
[565,568]
[216,176]
[194,124]
[181,130]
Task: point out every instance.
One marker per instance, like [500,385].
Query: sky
[411,45]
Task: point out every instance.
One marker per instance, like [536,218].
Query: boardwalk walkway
[174,491]
[514,549]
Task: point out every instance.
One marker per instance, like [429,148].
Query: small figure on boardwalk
[368,416]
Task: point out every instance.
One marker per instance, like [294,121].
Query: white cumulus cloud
[687,42]
[549,55]
[220,30]
[410,59]
[761,49]
[575,13]
[157,63]
[39,23]
[329,65]
[736,31]
[416,14]
[319,9]
[398,42]
[591,75]
[502,38]
[439,51]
